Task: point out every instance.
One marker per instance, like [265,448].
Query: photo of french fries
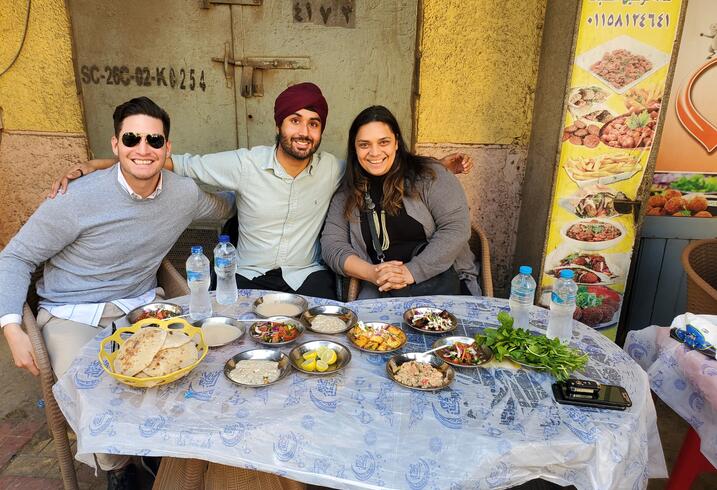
[603,168]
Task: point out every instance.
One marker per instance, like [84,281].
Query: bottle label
[522,293]
[555,298]
[194,276]
[222,262]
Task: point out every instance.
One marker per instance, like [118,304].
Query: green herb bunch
[528,348]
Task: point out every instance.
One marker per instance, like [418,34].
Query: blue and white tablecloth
[683,378]
[495,427]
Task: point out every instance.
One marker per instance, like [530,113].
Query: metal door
[360,53]
[161,49]
[218,66]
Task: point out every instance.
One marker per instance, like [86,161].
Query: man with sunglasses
[101,246]
[283,193]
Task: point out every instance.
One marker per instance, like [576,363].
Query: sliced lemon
[311,354]
[321,349]
[321,366]
[328,356]
[309,365]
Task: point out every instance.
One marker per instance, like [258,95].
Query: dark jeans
[320,284]
[447,282]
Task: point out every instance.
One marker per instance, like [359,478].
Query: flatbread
[139,350]
[175,339]
[170,360]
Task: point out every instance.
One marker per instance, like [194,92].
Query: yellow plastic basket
[107,357]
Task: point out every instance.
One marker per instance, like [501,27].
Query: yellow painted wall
[479,64]
[38,93]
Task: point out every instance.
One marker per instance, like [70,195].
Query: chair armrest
[42,359]
[354,288]
[486,274]
[171,281]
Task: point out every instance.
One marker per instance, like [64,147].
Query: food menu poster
[621,62]
[685,180]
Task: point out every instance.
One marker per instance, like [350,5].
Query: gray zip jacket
[441,208]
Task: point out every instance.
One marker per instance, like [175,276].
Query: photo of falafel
[672,202]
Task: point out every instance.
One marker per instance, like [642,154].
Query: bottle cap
[223,238]
[567,274]
[526,269]
[197,249]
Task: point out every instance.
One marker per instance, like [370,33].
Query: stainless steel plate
[343,355]
[220,322]
[153,308]
[344,314]
[394,364]
[263,355]
[276,300]
[277,319]
[410,316]
[484,353]
[354,333]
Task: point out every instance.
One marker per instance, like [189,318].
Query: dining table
[495,426]
[684,378]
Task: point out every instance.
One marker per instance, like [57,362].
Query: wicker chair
[699,260]
[172,283]
[486,276]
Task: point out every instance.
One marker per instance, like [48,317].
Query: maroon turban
[301,96]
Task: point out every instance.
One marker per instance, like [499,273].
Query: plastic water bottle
[200,304]
[562,307]
[522,296]
[225,266]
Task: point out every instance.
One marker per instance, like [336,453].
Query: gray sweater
[441,208]
[99,244]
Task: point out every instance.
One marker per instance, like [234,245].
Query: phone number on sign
[144,76]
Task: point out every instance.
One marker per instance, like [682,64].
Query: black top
[404,232]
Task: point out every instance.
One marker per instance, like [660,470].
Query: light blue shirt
[280,216]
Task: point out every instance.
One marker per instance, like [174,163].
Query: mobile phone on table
[592,395]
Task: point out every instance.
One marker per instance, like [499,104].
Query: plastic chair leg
[690,463]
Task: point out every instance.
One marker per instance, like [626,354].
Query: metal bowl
[344,314]
[153,308]
[286,320]
[484,353]
[259,354]
[409,314]
[219,322]
[343,355]
[353,332]
[393,365]
[297,302]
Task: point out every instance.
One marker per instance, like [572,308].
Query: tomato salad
[462,354]
[161,314]
[274,332]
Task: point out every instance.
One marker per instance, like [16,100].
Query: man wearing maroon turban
[282,195]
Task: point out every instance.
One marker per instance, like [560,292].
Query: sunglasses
[130,140]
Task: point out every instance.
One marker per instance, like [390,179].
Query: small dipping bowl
[393,365]
[425,310]
[355,332]
[151,310]
[259,355]
[341,312]
[286,320]
[280,304]
[343,355]
[220,330]
[485,354]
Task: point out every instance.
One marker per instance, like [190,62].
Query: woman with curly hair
[400,222]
